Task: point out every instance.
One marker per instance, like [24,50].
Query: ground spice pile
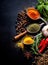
[41,60]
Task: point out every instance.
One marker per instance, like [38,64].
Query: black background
[8,14]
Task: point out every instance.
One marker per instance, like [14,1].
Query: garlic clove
[45,30]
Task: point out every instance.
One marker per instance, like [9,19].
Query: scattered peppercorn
[21,22]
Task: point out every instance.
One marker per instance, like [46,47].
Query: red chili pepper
[44,46]
[47,41]
[41,43]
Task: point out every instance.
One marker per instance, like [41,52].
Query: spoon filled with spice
[34,14]
[32,28]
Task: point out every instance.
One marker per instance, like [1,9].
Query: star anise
[28,54]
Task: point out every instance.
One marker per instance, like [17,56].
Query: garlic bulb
[45,30]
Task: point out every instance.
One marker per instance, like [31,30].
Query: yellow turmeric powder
[21,45]
[28,40]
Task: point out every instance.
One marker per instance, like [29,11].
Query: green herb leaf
[46,2]
[46,7]
[40,1]
[40,8]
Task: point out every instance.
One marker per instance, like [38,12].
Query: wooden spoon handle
[20,35]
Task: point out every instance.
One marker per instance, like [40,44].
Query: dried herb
[33,28]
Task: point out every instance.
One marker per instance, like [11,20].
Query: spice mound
[42,60]
[28,40]
[33,28]
[33,13]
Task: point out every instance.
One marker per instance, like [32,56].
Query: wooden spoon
[21,34]
[34,14]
